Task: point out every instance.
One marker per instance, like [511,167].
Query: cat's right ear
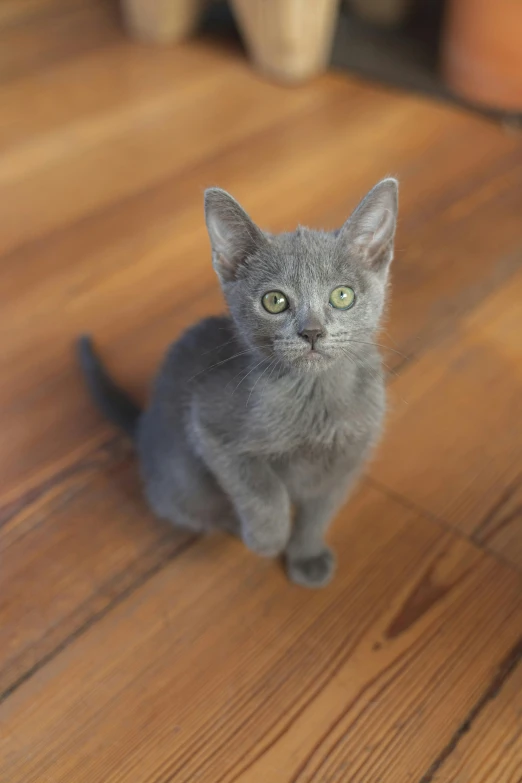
[234,237]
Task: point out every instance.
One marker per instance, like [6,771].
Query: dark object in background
[405,55]
[381,12]
[408,56]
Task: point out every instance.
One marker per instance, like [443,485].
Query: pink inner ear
[371,228]
[226,268]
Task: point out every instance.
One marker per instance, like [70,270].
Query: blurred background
[130,651]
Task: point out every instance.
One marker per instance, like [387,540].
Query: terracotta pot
[482,52]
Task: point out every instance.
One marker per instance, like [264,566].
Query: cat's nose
[311,335]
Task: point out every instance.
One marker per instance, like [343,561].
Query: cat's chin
[311,362]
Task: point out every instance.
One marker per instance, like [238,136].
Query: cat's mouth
[314,355]
[309,360]
[304,358]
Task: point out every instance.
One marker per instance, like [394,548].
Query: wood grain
[20,12]
[492,752]
[457,425]
[217,670]
[499,530]
[94,159]
[69,553]
[38,34]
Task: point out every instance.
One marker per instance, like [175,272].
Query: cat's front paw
[314,571]
[270,542]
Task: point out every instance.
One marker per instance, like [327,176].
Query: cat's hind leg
[190,498]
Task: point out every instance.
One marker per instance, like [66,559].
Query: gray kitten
[277,405]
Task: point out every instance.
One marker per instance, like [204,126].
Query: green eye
[275,302]
[342,298]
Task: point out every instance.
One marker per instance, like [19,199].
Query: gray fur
[246,421]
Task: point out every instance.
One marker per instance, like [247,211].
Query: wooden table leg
[161,21]
[289,40]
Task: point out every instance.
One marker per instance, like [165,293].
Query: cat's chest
[308,423]
[319,454]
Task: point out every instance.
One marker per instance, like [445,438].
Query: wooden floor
[130,653]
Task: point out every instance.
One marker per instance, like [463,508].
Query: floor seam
[97,616]
[511,262]
[505,670]
[442,523]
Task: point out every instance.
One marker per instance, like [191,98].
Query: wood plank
[70,552]
[461,250]
[83,167]
[65,97]
[157,236]
[217,670]
[457,427]
[56,36]
[490,751]
[499,530]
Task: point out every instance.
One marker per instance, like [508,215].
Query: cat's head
[309,298]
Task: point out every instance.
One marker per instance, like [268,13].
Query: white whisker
[217,347]
[255,384]
[224,361]
[367,342]
[248,373]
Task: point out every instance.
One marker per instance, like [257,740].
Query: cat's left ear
[234,237]
[370,231]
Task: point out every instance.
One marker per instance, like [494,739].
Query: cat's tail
[109,398]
